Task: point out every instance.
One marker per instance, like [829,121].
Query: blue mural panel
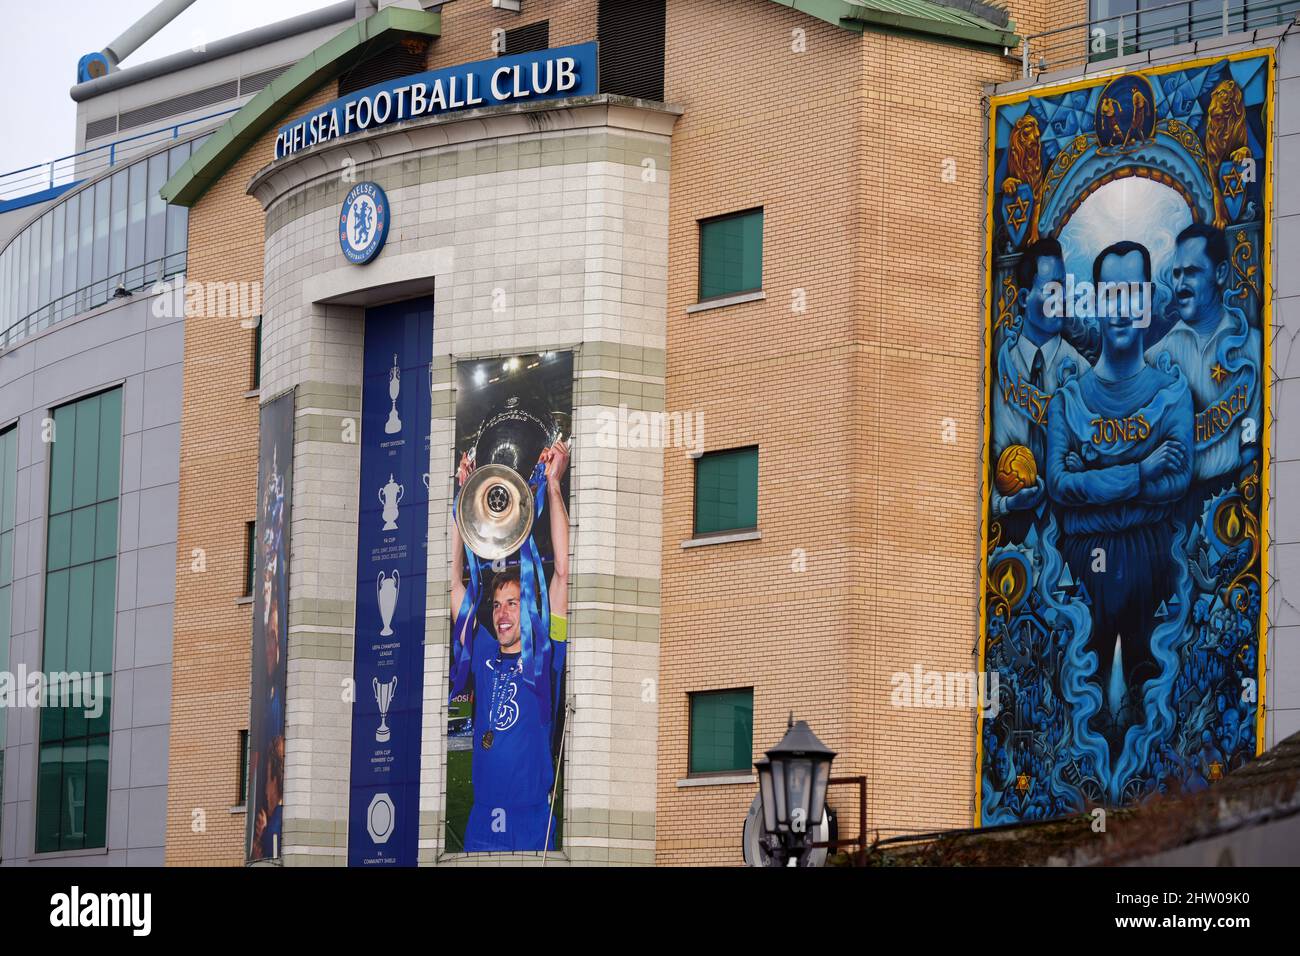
[1126,465]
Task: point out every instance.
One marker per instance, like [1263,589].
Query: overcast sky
[43,39]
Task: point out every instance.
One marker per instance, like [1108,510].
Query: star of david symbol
[1022,784]
[1218,373]
[1216,771]
[1232,183]
[1016,212]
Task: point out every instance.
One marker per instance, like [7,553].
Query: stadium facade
[736,290]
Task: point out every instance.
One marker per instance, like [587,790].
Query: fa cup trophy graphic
[390,496]
[394,423]
[384,694]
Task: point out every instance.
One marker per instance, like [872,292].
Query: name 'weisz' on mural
[1126,467]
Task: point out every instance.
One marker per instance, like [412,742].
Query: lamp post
[792,781]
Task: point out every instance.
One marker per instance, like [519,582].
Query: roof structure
[1262,792]
[358,42]
[962,21]
[949,20]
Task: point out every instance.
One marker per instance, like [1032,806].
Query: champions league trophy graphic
[495,508]
[394,423]
[386,591]
[390,496]
[384,694]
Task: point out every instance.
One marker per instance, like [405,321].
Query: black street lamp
[792,783]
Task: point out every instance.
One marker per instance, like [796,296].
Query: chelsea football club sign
[526,77]
[363,223]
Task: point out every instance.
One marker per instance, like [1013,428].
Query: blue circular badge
[363,223]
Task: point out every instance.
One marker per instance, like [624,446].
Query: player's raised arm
[458,546]
[557,462]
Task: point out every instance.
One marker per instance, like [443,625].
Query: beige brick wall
[218,495]
[845,148]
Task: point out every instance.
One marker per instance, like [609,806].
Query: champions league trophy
[389,496]
[394,423]
[495,509]
[386,591]
[384,694]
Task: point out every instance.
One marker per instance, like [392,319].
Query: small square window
[731,254]
[726,491]
[722,732]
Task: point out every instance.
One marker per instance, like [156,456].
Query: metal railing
[74,167]
[125,283]
[1149,28]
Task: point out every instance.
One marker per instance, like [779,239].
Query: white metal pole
[148,26]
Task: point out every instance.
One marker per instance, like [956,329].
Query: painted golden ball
[1016,470]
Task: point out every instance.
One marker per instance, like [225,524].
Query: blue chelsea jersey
[517,769]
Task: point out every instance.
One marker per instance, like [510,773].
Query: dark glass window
[117,232]
[257,354]
[241,788]
[1148,24]
[528,39]
[250,556]
[722,731]
[138,205]
[80,605]
[731,254]
[631,37]
[155,242]
[726,491]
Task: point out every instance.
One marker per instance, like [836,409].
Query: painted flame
[1233,524]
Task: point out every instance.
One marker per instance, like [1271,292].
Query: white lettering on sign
[550,73]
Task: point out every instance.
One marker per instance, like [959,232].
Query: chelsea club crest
[363,223]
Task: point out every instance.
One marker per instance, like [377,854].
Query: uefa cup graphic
[384,694]
[390,496]
[394,423]
[386,590]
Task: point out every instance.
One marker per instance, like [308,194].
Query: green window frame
[8,516]
[79,621]
[726,491]
[731,254]
[721,732]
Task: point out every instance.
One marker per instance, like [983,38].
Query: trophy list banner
[392,548]
[270,628]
